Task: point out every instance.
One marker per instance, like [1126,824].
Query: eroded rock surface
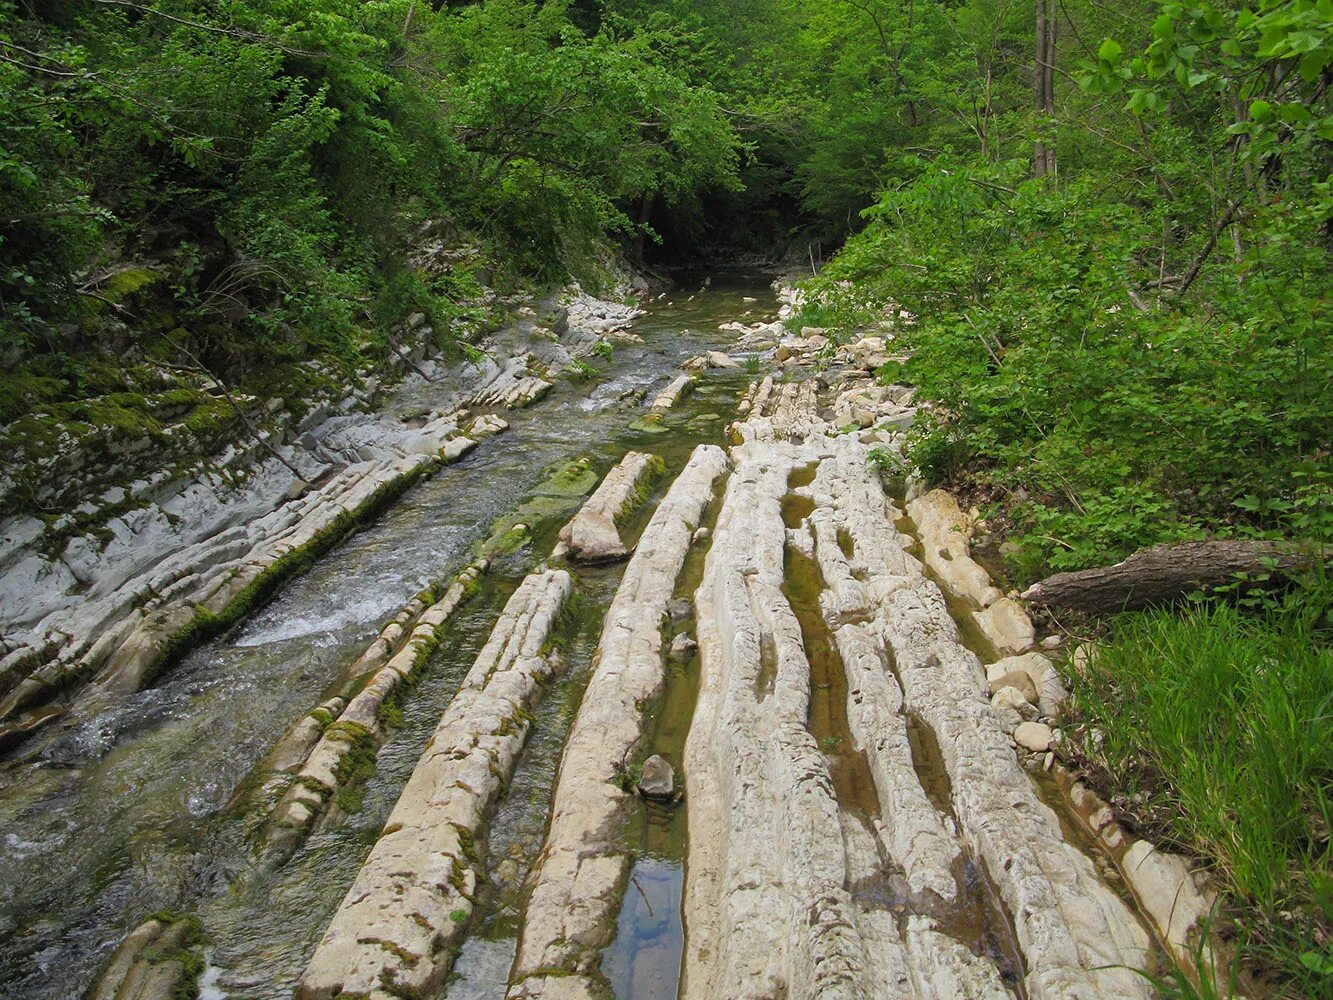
[576,892]
[358,727]
[400,922]
[798,840]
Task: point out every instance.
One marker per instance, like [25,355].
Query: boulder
[593,536]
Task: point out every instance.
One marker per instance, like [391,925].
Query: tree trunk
[641,236]
[1043,90]
[1164,573]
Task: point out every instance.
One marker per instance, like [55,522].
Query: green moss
[467,842]
[408,958]
[323,716]
[568,479]
[356,764]
[643,490]
[458,881]
[121,285]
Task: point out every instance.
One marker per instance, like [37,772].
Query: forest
[1101,229]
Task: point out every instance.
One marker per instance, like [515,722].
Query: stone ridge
[403,918]
[778,857]
[581,873]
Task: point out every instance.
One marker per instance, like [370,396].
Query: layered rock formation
[571,913]
[400,922]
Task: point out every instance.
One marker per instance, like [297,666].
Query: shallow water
[105,822]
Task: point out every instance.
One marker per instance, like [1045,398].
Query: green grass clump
[1224,723]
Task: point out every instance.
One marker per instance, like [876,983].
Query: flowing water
[133,811]
[144,807]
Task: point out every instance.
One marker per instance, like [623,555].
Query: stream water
[133,811]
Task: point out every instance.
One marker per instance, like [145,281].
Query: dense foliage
[249,174]
[1136,351]
[1227,753]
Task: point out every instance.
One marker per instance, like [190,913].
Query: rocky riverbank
[97,601]
[799,744]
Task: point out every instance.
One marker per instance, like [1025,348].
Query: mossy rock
[568,479]
[123,284]
[648,425]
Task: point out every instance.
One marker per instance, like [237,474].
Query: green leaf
[1110,52]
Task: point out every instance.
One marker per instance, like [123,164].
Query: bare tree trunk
[641,237]
[1167,573]
[1043,90]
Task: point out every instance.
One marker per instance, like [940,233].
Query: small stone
[680,610]
[1019,681]
[658,779]
[297,489]
[1051,642]
[1033,736]
[682,646]
[700,535]
[1049,762]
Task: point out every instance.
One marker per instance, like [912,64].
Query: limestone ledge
[159,960]
[357,728]
[578,879]
[403,918]
[105,592]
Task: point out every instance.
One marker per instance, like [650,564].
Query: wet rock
[156,961]
[680,610]
[1034,737]
[716,359]
[570,916]
[681,647]
[592,536]
[400,921]
[657,780]
[678,388]
[358,727]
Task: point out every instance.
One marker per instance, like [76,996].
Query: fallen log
[1165,573]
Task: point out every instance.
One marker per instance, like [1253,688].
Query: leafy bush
[1121,427]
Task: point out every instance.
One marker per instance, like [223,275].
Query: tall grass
[1224,722]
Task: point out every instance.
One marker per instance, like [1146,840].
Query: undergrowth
[1217,725]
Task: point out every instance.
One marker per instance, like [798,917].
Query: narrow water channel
[128,813]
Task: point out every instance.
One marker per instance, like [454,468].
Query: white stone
[1033,736]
